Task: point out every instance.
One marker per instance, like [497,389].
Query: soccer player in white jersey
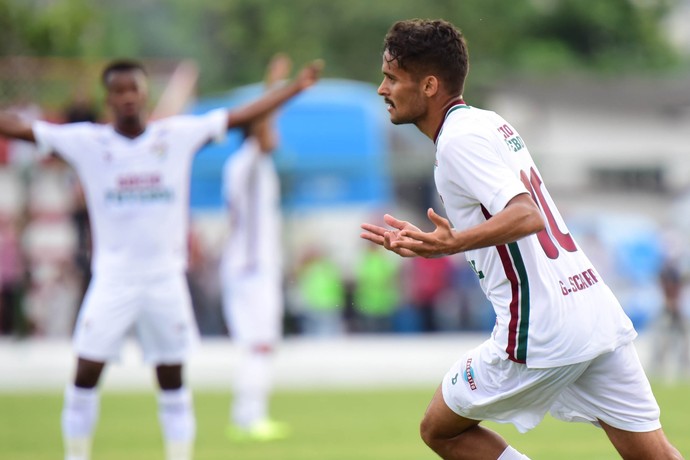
[251,271]
[136,176]
[561,342]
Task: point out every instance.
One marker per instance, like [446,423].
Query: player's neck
[431,124]
[130,129]
[447,108]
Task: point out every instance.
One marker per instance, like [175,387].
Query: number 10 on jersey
[533,183]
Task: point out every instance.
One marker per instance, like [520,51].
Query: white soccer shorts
[612,388]
[253,307]
[158,309]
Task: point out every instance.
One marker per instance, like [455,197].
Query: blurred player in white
[561,343]
[136,177]
[251,270]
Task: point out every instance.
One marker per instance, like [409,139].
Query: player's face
[127,94]
[403,93]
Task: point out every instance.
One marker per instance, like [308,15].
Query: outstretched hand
[386,237]
[310,74]
[407,240]
[245,115]
[440,242]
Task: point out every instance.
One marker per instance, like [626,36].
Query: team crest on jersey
[159,148]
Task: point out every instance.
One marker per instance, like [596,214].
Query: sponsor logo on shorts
[469,375]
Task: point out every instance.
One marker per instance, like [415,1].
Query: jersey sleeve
[208,127]
[217,123]
[65,140]
[480,171]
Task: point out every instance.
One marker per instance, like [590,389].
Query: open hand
[438,243]
[387,237]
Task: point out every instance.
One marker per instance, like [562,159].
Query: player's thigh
[167,328]
[614,389]
[441,422]
[253,307]
[483,385]
[109,310]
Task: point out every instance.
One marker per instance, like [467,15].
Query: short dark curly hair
[120,65]
[426,46]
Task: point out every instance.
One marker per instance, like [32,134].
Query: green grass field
[328,425]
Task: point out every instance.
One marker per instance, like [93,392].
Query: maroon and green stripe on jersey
[516,273]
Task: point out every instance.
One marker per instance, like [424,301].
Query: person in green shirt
[376,290]
[321,290]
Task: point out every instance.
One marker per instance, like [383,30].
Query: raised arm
[14,127]
[273,99]
[263,129]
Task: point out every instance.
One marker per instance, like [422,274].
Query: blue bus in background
[333,148]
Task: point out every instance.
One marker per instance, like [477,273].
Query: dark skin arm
[263,129]
[245,115]
[13,127]
[521,217]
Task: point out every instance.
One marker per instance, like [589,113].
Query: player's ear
[430,85]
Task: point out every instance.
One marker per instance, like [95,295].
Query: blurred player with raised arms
[561,342]
[136,177]
[251,270]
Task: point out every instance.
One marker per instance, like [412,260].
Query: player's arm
[520,217]
[14,127]
[273,99]
[263,128]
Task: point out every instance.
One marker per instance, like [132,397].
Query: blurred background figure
[11,256]
[670,358]
[428,281]
[50,243]
[319,300]
[205,286]
[252,270]
[376,294]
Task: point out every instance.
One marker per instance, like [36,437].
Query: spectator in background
[376,290]
[11,274]
[320,295]
[252,270]
[50,241]
[671,338]
[12,263]
[427,281]
[136,179]
[204,283]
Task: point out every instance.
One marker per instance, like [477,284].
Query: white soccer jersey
[137,190]
[252,190]
[552,307]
